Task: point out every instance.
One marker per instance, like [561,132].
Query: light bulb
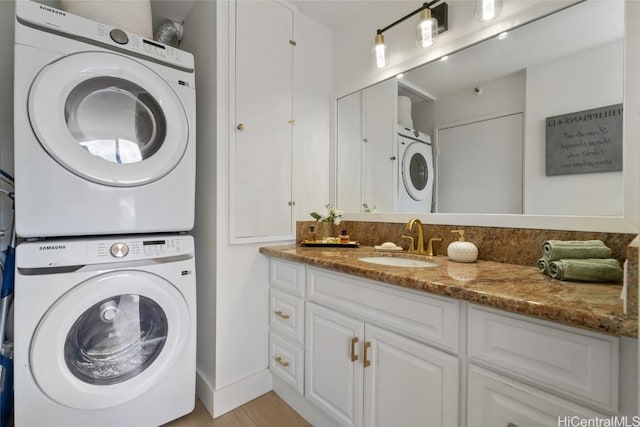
[486,10]
[380,52]
[427,29]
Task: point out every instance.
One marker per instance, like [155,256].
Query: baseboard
[241,392]
[204,391]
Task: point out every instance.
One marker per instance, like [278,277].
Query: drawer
[429,319]
[286,315]
[498,401]
[287,276]
[577,363]
[287,361]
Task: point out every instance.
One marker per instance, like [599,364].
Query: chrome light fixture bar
[433,21]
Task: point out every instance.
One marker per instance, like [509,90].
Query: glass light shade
[380,52]
[486,10]
[427,29]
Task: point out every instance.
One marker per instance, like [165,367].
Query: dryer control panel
[75,27]
[88,251]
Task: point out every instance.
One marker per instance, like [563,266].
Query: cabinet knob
[240,126]
[281,362]
[292,203]
[292,122]
[392,158]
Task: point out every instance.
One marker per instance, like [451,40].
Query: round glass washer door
[109,339]
[417,170]
[108,119]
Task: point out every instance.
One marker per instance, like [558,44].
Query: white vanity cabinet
[373,354]
[286,322]
[367,359]
[527,372]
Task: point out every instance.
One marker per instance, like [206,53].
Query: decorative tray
[329,244]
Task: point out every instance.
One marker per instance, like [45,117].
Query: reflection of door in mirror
[366,131]
[480,166]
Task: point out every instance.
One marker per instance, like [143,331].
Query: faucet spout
[419,247]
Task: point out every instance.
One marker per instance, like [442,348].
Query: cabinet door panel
[495,400]
[261,157]
[332,380]
[380,171]
[408,383]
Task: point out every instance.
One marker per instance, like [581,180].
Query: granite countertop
[509,287]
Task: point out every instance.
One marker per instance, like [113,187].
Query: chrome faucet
[413,247]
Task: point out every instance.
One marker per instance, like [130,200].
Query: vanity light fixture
[503,35]
[399,76]
[486,10]
[433,20]
[444,58]
[380,52]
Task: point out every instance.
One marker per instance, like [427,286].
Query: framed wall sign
[586,141]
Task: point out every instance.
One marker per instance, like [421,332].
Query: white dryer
[104,129]
[415,180]
[105,331]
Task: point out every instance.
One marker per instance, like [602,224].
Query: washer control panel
[87,251]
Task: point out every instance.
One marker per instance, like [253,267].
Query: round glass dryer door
[417,170]
[108,119]
[109,339]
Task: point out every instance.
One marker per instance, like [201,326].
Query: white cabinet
[334,363]
[262,111]
[580,365]
[373,354]
[380,153]
[365,375]
[286,317]
[496,400]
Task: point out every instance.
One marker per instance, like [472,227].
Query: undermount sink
[398,262]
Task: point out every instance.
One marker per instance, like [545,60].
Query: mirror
[467,134]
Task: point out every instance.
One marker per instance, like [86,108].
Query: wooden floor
[267,410]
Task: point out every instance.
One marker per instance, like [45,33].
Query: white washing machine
[104,129]
[415,180]
[105,331]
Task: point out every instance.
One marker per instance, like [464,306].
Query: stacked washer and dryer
[105,301]
[415,167]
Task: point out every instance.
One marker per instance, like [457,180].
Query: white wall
[233,279]
[588,79]
[504,95]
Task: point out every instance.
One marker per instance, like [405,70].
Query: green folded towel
[574,249]
[543,265]
[586,270]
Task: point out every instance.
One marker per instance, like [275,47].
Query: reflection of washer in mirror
[415,180]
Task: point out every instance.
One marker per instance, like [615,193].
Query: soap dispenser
[462,251]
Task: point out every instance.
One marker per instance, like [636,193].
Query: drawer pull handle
[512,425]
[366,362]
[279,314]
[354,356]
[281,362]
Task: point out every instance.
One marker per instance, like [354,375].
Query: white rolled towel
[133,16]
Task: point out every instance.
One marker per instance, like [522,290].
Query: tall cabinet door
[407,383]
[380,155]
[333,367]
[261,165]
